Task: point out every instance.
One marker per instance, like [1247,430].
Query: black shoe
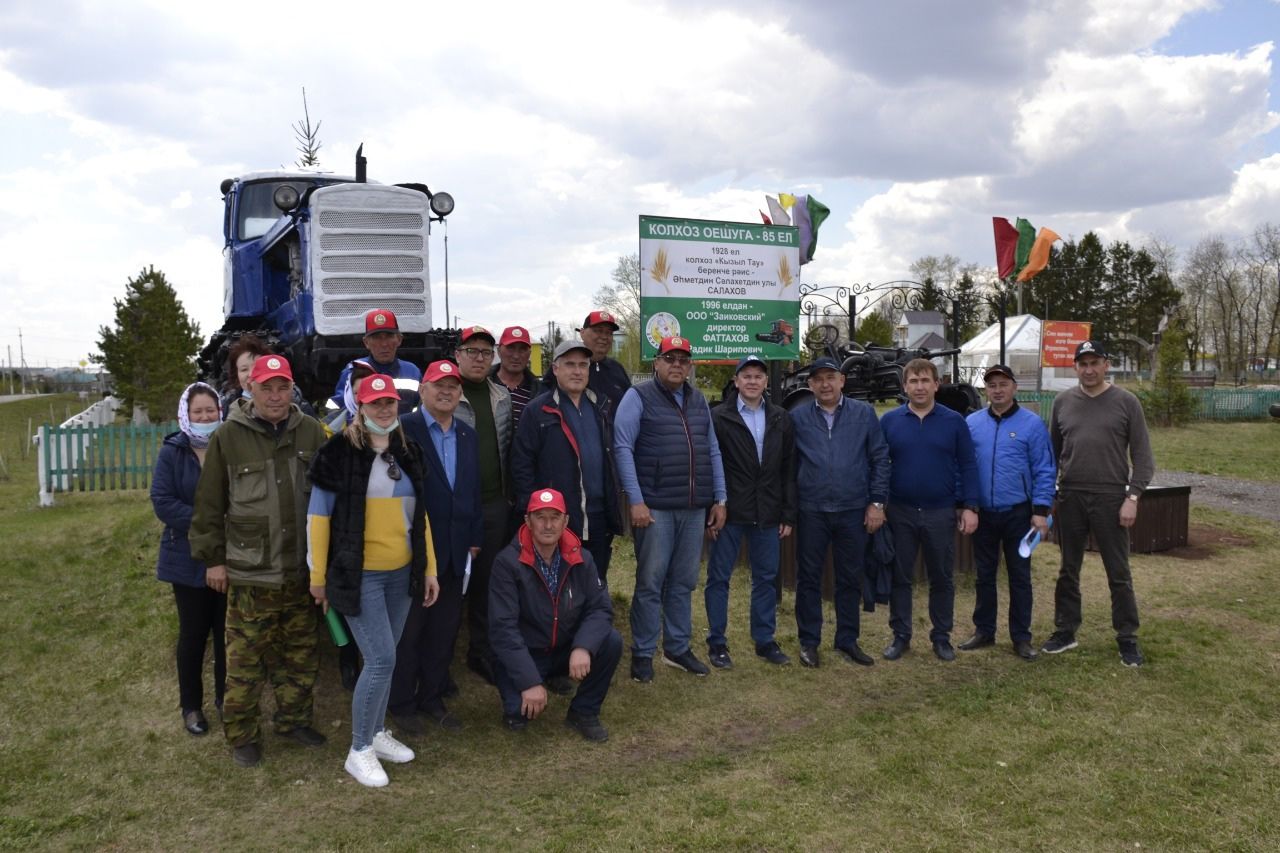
[1130,654]
[562,685]
[482,668]
[719,656]
[1059,642]
[642,669]
[894,650]
[686,661]
[349,673]
[246,756]
[409,724]
[853,654]
[1024,650]
[514,722]
[977,641]
[772,652]
[942,648]
[195,723]
[305,735]
[440,716]
[587,726]
[450,689]
[809,657]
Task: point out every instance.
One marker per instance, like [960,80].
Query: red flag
[1006,246]
[764,216]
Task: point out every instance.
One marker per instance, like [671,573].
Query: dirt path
[1247,497]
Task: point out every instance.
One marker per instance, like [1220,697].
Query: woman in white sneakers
[371,557]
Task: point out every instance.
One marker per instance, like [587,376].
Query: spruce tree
[150,351]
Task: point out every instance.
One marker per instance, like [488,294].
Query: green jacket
[251,501]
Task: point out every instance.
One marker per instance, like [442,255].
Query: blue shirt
[933,459]
[550,572]
[446,445]
[585,425]
[754,419]
[626,425]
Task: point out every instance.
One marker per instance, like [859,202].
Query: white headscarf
[184,419]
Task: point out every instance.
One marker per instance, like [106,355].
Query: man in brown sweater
[1104,464]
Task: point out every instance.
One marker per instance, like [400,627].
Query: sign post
[1058,341]
[731,288]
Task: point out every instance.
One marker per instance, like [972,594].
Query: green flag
[1026,239]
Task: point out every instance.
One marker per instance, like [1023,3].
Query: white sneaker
[389,749]
[363,765]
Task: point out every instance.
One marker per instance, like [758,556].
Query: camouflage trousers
[271,633]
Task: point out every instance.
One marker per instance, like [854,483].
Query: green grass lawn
[1249,450]
[987,753]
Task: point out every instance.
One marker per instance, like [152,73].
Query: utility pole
[22,360]
[9,349]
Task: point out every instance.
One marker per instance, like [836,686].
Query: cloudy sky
[556,125]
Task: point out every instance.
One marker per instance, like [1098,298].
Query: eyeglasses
[678,360]
[393,470]
[477,353]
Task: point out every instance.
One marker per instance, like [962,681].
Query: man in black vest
[669,465]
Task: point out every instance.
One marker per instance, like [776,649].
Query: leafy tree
[150,352]
[1168,401]
[876,329]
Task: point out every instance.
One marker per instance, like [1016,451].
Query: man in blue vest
[669,465]
[1016,477]
[382,339]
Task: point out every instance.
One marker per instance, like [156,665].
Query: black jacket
[758,492]
[343,469]
[545,455]
[457,515]
[524,614]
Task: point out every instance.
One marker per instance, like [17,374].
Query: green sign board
[731,288]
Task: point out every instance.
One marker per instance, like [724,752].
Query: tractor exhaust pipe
[361,165]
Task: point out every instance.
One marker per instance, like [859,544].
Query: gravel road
[1247,497]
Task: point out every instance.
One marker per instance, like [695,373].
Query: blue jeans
[1001,532]
[846,533]
[934,531]
[591,691]
[762,551]
[668,554]
[384,606]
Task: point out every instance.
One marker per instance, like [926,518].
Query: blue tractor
[308,254]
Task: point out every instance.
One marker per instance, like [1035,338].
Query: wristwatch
[1132,497]
[878,505]
[722,503]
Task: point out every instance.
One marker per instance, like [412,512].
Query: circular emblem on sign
[380,319]
[379,384]
[446,368]
[545,497]
[273,363]
[517,333]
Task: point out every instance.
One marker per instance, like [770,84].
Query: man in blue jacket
[382,339]
[565,442]
[452,495]
[843,480]
[669,464]
[549,616]
[932,492]
[1016,476]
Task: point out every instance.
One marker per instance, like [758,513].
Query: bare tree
[622,298]
[308,137]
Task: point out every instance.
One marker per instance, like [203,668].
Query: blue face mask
[377,430]
[204,430]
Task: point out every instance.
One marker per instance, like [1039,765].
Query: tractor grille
[357,242]
[377,264]
[359,307]
[373,219]
[371,286]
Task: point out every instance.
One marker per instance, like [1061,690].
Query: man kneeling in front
[549,615]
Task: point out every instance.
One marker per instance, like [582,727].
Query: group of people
[490,491]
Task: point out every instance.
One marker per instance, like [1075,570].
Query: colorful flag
[1006,246]
[764,217]
[810,214]
[776,213]
[1039,258]
[787,199]
[1026,239]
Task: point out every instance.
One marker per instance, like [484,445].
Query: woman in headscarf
[371,557]
[201,610]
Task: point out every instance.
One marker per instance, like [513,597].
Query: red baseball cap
[675,343]
[595,318]
[269,367]
[477,331]
[546,499]
[380,320]
[442,369]
[376,389]
[515,335]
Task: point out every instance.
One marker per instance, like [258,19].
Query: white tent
[1022,354]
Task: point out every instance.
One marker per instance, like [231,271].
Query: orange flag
[1039,254]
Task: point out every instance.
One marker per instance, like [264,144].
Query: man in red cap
[512,369]
[249,527]
[549,616]
[382,339]
[486,408]
[608,378]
